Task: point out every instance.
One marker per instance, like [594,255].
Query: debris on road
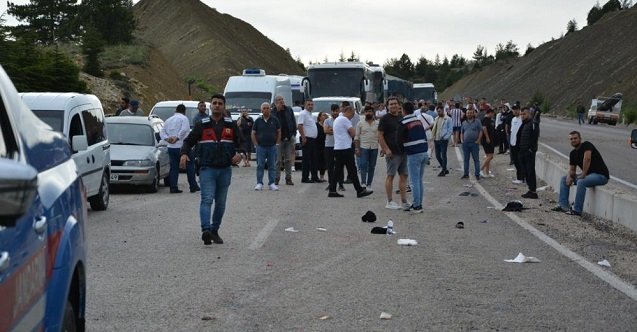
[544,188]
[321,229]
[207,318]
[369,216]
[325,317]
[468,185]
[522,259]
[484,221]
[466,193]
[384,315]
[510,169]
[460,225]
[514,206]
[291,229]
[605,263]
[407,242]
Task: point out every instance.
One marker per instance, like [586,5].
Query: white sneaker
[392,205]
[293,169]
[482,175]
[274,187]
[517,181]
[258,187]
[491,175]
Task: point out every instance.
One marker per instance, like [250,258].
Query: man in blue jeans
[594,173]
[470,136]
[441,132]
[174,132]
[266,136]
[413,137]
[218,138]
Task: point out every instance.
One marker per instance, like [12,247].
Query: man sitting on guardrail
[594,173]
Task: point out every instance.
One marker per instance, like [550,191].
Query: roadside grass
[118,56]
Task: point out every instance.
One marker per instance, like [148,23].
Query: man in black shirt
[395,157]
[285,153]
[594,173]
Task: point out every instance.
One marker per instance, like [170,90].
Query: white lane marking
[606,276]
[624,182]
[263,234]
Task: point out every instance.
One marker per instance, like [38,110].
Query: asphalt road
[148,270]
[611,141]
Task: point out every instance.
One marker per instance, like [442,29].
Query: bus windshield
[424,93]
[328,82]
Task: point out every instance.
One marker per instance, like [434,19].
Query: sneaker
[289,182]
[464,177]
[572,212]
[442,173]
[446,171]
[258,187]
[276,181]
[392,205]
[215,237]
[530,194]
[274,187]
[206,236]
[477,177]
[334,194]
[491,175]
[482,174]
[195,189]
[293,169]
[405,206]
[364,193]
[559,209]
[409,208]
[416,210]
[517,182]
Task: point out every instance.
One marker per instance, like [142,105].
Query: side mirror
[79,143]
[385,85]
[18,185]
[366,85]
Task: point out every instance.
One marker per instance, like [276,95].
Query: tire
[69,324]
[154,187]
[100,201]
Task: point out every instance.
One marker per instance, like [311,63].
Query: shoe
[409,208]
[276,181]
[559,209]
[258,187]
[364,193]
[194,190]
[464,177]
[572,212]
[491,175]
[530,194]
[407,190]
[289,182]
[293,169]
[176,191]
[317,180]
[477,177]
[405,206]
[348,180]
[392,205]
[216,238]
[274,187]
[307,181]
[446,171]
[341,188]
[334,194]
[517,182]
[482,174]
[416,210]
[206,236]
[442,173]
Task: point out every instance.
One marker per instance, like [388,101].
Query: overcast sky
[378,30]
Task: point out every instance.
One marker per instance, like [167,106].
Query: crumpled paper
[605,263]
[407,242]
[522,259]
[384,315]
[291,229]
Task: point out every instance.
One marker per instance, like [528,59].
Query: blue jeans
[174,155]
[266,153]
[471,149]
[591,180]
[214,184]
[580,118]
[416,168]
[367,165]
[441,152]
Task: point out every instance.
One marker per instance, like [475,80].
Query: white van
[80,117]
[254,87]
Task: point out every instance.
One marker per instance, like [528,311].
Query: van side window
[8,143]
[94,123]
[75,127]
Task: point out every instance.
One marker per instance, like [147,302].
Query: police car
[42,216]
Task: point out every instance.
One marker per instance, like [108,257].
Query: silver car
[138,155]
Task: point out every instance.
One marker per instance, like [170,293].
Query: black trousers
[345,158]
[309,162]
[329,162]
[527,161]
[515,158]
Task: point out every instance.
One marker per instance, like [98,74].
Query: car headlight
[138,163]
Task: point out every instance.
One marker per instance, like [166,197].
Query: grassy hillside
[598,60]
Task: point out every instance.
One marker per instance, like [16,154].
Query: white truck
[605,110]
[254,87]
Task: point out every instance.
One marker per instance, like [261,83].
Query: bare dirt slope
[205,44]
[598,60]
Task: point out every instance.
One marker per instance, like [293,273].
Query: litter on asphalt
[522,259]
[407,242]
[605,263]
[384,315]
[291,229]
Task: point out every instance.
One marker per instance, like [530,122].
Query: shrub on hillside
[120,56]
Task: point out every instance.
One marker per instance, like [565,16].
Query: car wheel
[69,324]
[99,202]
[154,187]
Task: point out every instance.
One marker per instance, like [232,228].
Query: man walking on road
[266,136]
[594,173]
[412,135]
[470,135]
[285,115]
[328,128]
[175,130]
[441,132]
[580,112]
[527,139]
[344,154]
[394,155]
[218,139]
[308,131]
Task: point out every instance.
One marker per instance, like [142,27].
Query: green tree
[529,49]
[47,20]
[353,57]
[594,14]
[113,19]
[571,26]
[510,50]
[92,46]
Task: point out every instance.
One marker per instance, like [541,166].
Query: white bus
[254,87]
[346,79]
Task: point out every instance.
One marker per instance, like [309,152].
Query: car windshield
[130,134]
[336,82]
[165,112]
[55,119]
[249,100]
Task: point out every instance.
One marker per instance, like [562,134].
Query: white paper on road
[522,259]
[291,229]
[384,315]
[321,229]
[605,263]
[510,169]
[407,242]
[544,188]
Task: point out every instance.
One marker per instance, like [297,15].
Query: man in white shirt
[344,154]
[307,129]
[175,130]
[516,123]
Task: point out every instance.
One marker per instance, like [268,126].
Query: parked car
[138,155]
[80,118]
[166,109]
[42,217]
[633,139]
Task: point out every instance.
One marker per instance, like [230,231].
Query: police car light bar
[253,72]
